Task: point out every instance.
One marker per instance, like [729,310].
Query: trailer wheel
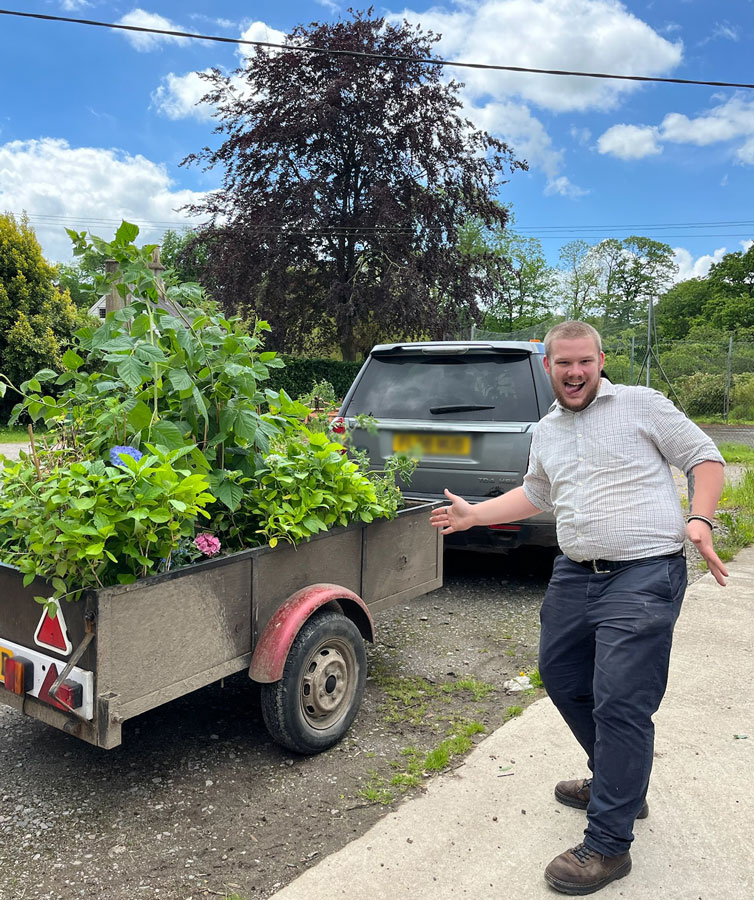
[316,700]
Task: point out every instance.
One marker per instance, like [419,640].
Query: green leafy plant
[90,524]
[168,374]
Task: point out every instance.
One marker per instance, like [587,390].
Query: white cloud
[564,188]
[178,97]
[60,187]
[688,267]
[629,142]
[144,42]
[728,121]
[74,5]
[259,31]
[578,35]
[745,152]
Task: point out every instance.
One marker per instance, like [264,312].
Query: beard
[580,401]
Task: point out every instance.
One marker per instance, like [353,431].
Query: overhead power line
[304,48]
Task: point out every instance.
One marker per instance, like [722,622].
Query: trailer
[295,618]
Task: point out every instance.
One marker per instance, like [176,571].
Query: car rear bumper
[492,540]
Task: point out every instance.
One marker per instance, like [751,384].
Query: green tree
[347,179]
[181,252]
[633,273]
[519,280]
[578,279]
[37,319]
[731,281]
[682,307]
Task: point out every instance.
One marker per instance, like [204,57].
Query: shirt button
[578,482]
[581,459]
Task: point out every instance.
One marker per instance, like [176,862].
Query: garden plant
[161,444]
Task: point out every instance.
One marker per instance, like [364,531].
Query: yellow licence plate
[433,444]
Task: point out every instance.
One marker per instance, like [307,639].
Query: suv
[471,408]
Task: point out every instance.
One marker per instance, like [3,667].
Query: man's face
[574,367]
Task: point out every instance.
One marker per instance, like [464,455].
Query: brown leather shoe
[582,870]
[577,793]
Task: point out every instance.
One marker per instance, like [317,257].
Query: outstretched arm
[705,487]
[461,515]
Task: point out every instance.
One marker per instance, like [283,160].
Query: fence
[710,381]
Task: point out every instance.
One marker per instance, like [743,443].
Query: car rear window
[470,387]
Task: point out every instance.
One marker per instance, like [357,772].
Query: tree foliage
[518,278]
[346,182]
[723,301]
[37,319]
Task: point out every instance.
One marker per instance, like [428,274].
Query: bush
[300,374]
[701,394]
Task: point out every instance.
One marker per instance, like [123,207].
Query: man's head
[573,360]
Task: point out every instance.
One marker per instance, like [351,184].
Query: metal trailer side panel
[403,561]
[161,638]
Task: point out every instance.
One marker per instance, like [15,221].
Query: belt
[601,566]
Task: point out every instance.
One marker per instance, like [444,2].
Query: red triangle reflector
[44,692]
[52,633]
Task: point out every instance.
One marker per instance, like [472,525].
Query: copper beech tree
[347,174]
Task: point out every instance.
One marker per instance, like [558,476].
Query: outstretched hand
[700,534]
[456,517]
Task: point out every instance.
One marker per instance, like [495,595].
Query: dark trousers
[604,655]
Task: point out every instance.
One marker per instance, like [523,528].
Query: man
[600,460]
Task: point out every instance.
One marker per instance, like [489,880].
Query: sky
[95,122]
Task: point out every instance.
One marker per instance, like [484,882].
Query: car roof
[458,347]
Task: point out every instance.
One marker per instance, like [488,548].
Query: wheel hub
[325,687]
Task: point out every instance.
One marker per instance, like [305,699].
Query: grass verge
[736,514]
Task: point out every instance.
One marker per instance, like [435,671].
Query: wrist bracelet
[701,519]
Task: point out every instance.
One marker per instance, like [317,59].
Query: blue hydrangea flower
[117,454]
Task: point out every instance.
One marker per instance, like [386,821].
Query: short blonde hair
[571,330]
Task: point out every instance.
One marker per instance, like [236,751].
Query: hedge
[300,374]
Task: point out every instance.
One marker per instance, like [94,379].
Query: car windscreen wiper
[466,407]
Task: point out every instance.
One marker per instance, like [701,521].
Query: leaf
[126,233]
[229,493]
[139,416]
[180,379]
[273,542]
[246,424]
[71,360]
[133,372]
[167,434]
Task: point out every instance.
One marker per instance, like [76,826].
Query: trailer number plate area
[46,670]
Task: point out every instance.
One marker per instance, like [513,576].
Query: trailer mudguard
[271,651]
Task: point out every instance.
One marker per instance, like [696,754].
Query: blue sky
[94,122]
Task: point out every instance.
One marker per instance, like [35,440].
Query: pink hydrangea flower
[208,544]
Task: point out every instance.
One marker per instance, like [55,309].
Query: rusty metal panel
[167,630]
[402,558]
[333,557]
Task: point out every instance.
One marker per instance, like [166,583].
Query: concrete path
[488,831]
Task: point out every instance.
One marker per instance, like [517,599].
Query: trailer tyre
[316,700]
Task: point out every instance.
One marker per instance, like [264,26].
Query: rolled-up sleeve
[681,441]
[536,483]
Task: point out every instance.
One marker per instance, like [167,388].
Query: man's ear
[546,362]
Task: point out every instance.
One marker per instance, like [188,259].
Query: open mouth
[573,388]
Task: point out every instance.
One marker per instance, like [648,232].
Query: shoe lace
[583,853]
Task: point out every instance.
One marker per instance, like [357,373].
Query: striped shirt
[605,473]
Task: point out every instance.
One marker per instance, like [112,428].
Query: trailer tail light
[19,675]
[70,694]
[505,527]
[338,425]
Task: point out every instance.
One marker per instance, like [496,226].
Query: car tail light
[505,527]
[338,425]
[70,694]
[19,674]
